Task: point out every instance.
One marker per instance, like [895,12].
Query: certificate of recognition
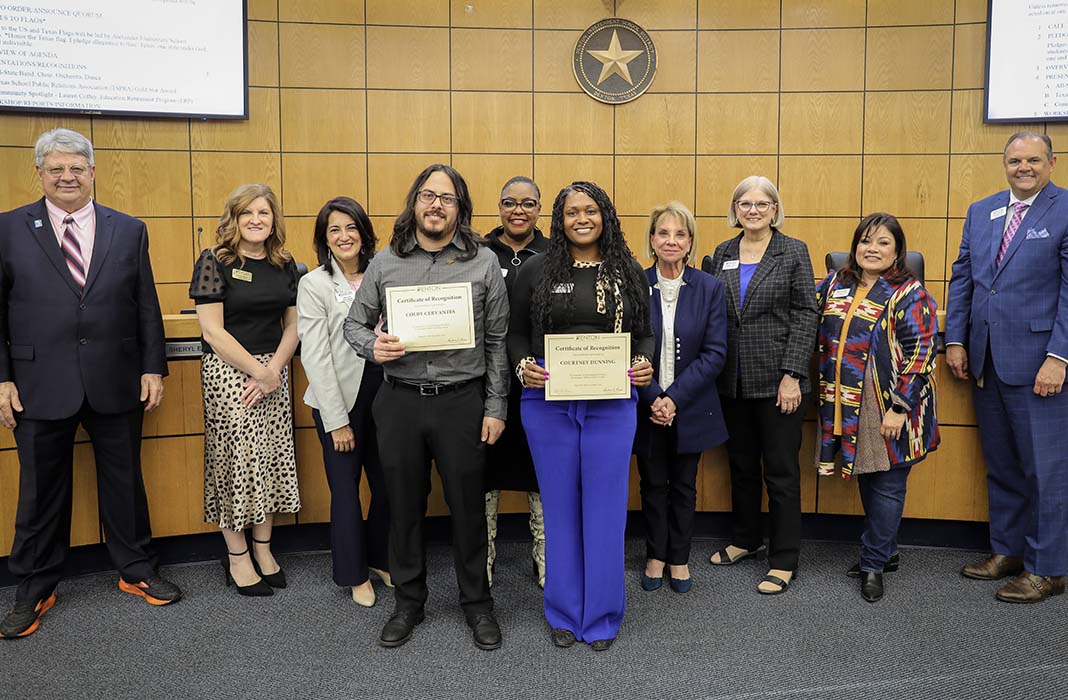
[432,317]
[587,366]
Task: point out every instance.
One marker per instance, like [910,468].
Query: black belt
[430,389]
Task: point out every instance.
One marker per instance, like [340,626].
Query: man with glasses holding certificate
[444,306]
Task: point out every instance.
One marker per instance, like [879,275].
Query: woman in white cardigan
[341,388]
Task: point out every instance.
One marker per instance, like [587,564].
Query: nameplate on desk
[183,348]
[587,366]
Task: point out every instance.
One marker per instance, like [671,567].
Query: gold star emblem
[614,60]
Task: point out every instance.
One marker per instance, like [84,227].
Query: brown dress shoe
[997,566]
[1029,588]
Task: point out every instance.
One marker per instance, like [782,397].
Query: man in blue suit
[1007,324]
[81,343]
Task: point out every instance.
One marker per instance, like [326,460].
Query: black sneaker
[25,617]
[156,590]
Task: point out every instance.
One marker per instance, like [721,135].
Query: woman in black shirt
[586,282]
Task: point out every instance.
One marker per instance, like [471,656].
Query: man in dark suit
[1007,324]
[81,342]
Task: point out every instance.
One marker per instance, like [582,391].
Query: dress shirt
[489,298]
[84,227]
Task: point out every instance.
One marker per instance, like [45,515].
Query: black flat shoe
[398,628]
[681,585]
[255,590]
[601,644]
[485,631]
[275,580]
[563,638]
[891,565]
[871,586]
[651,584]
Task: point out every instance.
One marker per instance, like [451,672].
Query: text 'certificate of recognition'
[587,366]
[432,317]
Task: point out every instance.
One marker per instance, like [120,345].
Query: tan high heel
[364,595]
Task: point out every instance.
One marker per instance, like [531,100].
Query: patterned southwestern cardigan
[891,346]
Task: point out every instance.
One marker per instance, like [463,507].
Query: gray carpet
[934,635]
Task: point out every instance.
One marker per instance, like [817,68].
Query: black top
[510,260]
[252,308]
[526,337]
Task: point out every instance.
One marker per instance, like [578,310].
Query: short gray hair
[758,182]
[64,141]
[682,214]
[1028,135]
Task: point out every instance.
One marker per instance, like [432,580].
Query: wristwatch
[792,374]
[899,409]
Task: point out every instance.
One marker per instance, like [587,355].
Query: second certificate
[587,366]
[432,317]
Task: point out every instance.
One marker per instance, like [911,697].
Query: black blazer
[775,330]
[61,345]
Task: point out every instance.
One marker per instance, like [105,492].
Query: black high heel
[258,589]
[275,580]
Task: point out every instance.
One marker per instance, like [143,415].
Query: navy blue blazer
[62,345]
[1020,308]
[700,353]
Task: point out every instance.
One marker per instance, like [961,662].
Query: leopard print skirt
[250,466]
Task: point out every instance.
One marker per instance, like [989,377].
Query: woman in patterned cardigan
[876,394]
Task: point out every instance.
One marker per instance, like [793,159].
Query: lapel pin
[37,223]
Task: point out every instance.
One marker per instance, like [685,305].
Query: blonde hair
[682,214]
[763,184]
[228,234]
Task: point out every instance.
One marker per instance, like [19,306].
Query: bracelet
[638,359]
[519,368]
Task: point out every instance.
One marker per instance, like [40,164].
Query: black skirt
[509,466]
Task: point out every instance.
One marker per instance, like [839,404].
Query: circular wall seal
[615,61]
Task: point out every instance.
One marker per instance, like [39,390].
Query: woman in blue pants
[587,281]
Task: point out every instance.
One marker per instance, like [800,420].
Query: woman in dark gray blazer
[771,333]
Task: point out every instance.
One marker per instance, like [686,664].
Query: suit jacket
[1020,308]
[775,330]
[700,351]
[334,369]
[62,345]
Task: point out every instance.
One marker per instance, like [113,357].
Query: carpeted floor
[935,635]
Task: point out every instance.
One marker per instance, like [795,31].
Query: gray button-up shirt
[490,300]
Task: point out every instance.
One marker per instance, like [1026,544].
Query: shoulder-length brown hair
[228,235]
[850,273]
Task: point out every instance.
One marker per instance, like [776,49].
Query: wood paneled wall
[850,106]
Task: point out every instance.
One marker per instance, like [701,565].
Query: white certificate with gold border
[432,316]
[587,366]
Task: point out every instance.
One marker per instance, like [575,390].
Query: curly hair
[228,234]
[617,261]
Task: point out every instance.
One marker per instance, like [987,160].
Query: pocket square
[1033,234]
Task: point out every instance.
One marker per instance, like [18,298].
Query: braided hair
[617,262]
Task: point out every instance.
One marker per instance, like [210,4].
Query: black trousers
[669,496]
[355,545]
[412,431]
[759,432]
[42,523]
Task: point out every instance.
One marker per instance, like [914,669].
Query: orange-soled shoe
[25,617]
[156,590]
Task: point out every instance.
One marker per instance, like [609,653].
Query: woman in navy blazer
[679,415]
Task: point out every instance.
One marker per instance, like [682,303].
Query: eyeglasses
[77,171]
[762,207]
[447,200]
[527,205]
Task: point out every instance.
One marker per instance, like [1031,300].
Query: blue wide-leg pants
[581,452]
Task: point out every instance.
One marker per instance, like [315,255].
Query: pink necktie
[72,251]
[1010,232]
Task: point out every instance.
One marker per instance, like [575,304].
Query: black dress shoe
[601,644]
[398,628]
[485,631]
[891,565]
[259,589]
[275,580]
[871,586]
[563,638]
[25,617]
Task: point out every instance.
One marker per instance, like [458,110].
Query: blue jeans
[883,496]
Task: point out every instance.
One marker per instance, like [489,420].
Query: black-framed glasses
[428,196]
[527,205]
[761,207]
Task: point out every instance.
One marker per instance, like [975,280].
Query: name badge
[839,293]
[344,296]
[504,272]
[998,213]
[243,275]
[730,264]
[563,288]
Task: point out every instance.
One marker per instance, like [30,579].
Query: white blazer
[334,369]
